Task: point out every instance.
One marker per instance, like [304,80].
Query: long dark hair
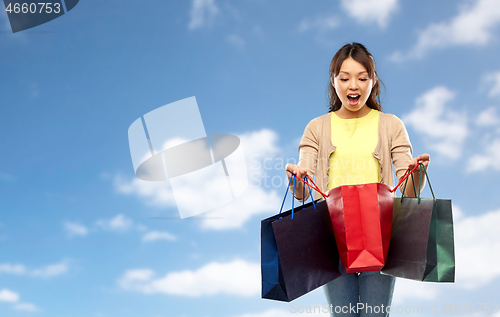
[360,54]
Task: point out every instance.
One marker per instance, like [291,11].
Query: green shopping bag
[422,243]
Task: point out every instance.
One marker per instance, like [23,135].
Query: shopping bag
[298,252]
[422,243]
[361,217]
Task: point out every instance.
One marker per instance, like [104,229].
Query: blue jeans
[364,294]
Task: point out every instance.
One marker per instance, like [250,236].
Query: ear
[375,80]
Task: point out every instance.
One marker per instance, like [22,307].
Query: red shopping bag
[361,217]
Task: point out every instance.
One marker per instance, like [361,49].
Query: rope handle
[293,195]
[405,179]
[405,176]
[310,194]
[311,185]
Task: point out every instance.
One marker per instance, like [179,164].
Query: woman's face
[352,85]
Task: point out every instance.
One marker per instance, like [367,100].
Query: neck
[344,113]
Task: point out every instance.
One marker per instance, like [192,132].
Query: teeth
[353,96]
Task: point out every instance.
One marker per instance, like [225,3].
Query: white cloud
[119,223]
[238,278]
[26,307]
[492,79]
[13,297]
[237,41]
[75,229]
[260,144]
[458,214]
[445,128]
[234,214]
[45,271]
[320,23]
[158,235]
[153,193]
[409,289]
[8,296]
[257,146]
[473,26]
[131,277]
[51,270]
[12,268]
[202,13]
[487,160]
[477,249]
[170,143]
[308,311]
[488,117]
[368,11]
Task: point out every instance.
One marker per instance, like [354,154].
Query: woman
[355,143]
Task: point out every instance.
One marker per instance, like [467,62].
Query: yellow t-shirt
[352,162]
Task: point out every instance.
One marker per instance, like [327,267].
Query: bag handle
[293,195]
[312,184]
[286,192]
[405,176]
[422,167]
[414,190]
[310,194]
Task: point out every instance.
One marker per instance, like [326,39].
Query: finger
[426,163]
[423,157]
[303,173]
[412,163]
[291,168]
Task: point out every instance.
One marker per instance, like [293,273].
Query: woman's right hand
[295,169]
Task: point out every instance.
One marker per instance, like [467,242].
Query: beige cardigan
[393,147]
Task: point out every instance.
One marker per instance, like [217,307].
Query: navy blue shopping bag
[298,251]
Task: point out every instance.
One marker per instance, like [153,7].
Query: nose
[353,85]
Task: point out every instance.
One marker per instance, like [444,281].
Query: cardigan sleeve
[308,153]
[401,150]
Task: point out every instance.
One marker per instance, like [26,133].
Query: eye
[363,79]
[344,79]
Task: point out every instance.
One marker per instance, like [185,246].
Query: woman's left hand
[424,159]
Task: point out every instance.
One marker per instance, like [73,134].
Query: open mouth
[353,99]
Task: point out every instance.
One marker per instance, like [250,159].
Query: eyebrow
[348,72]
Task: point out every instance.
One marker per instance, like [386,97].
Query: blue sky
[80,235]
